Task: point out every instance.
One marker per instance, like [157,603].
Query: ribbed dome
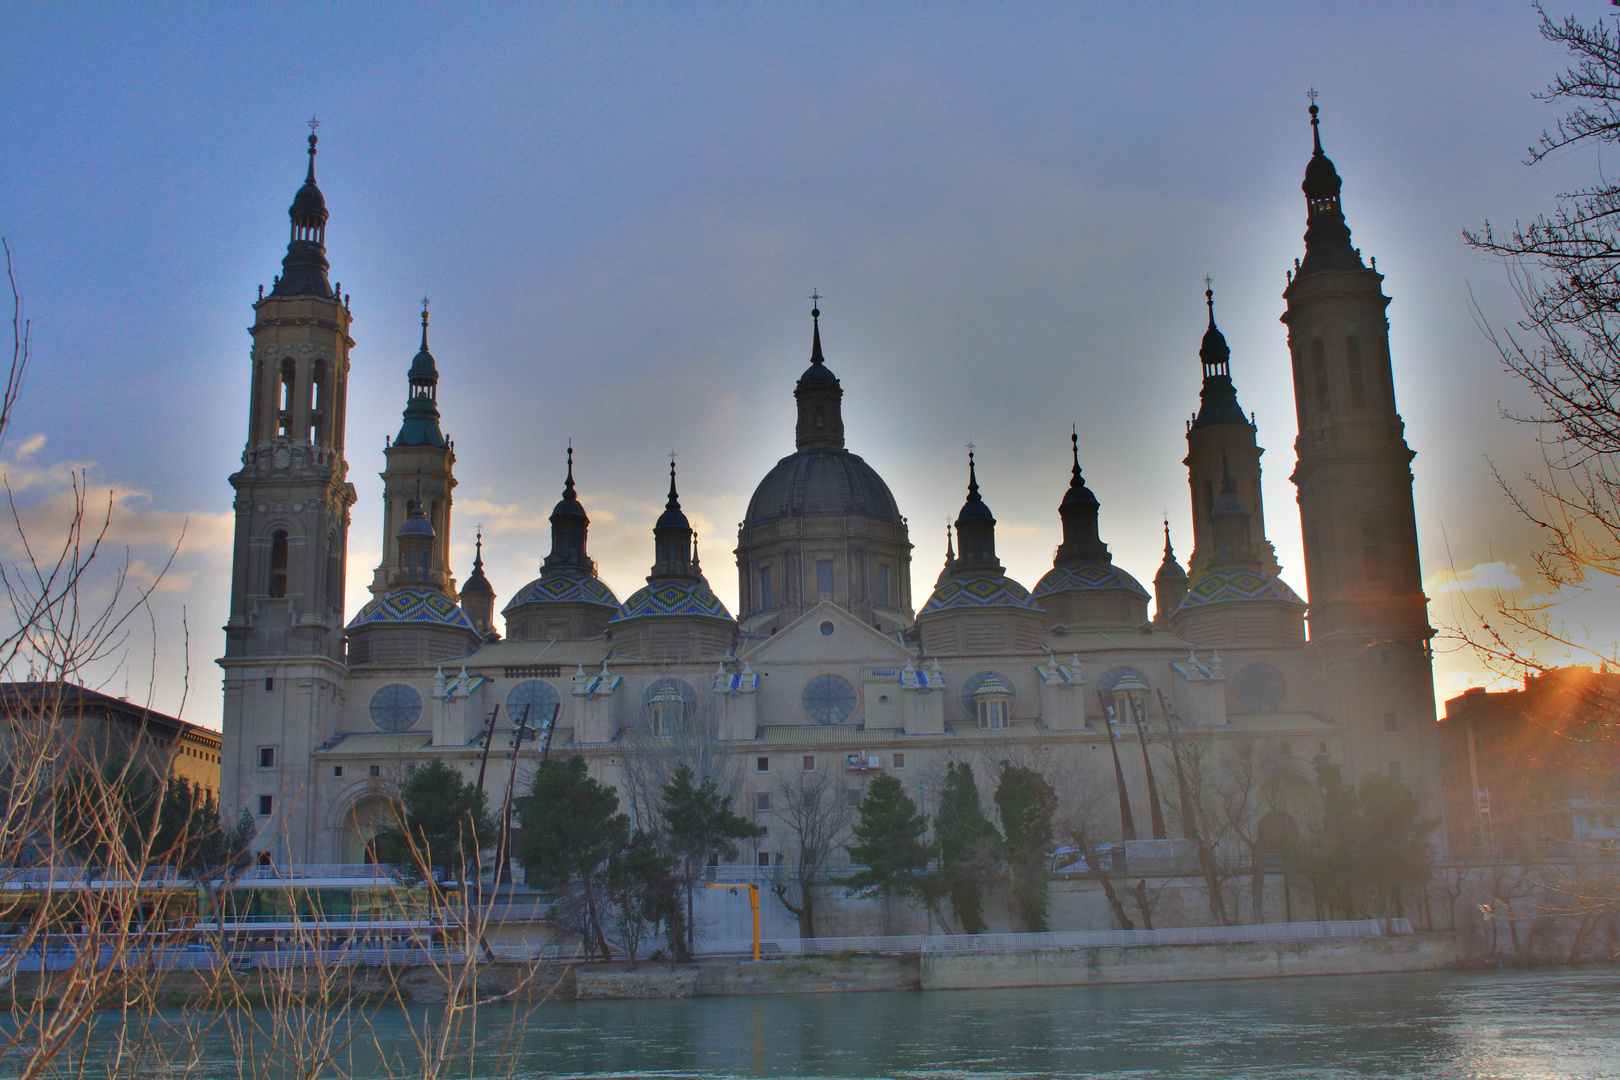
[821,481]
[308,201]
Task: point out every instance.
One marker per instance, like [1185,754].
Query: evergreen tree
[1370,848]
[644,891]
[571,831]
[889,845]
[969,846]
[443,823]
[1026,803]
[700,827]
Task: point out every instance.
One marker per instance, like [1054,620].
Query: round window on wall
[1259,687]
[829,699]
[396,707]
[668,703]
[971,686]
[538,698]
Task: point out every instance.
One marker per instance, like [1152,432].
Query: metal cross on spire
[1311,93]
[1209,284]
[313,124]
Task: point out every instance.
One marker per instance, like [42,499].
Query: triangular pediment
[850,641]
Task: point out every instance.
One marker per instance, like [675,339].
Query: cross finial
[970,446]
[1209,284]
[313,124]
[815,299]
[1311,93]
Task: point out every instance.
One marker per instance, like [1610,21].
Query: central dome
[821,481]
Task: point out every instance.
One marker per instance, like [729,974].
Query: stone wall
[1187,963]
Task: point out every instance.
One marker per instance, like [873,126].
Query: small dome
[817,374]
[673,598]
[1229,502]
[309,202]
[992,686]
[1321,178]
[423,369]
[821,481]
[477,583]
[411,605]
[979,592]
[1241,584]
[416,523]
[1130,682]
[1087,577]
[563,589]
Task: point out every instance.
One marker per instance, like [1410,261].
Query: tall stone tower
[1369,627]
[284,661]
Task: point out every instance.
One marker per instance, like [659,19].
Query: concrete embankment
[991,970]
[1187,963]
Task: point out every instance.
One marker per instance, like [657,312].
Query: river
[1434,1026]
[1506,1024]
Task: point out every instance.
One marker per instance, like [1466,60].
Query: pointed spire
[815,339]
[1327,236]
[950,557]
[674,539]
[421,422]
[819,395]
[303,270]
[1218,402]
[568,484]
[476,581]
[1079,510]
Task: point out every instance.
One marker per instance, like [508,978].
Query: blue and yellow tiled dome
[979,592]
[563,589]
[420,606]
[1090,576]
[673,598]
[1241,583]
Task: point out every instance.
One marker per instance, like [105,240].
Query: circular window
[396,707]
[1111,677]
[971,686]
[826,629]
[668,703]
[538,698]
[829,699]
[1259,687]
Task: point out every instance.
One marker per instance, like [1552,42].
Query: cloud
[1497,576]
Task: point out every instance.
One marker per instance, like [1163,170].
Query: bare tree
[814,806]
[1086,817]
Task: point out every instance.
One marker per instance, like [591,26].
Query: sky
[619,212]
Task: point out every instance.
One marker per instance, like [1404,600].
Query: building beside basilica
[832,664]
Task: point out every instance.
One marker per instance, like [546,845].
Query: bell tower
[284,659]
[1369,627]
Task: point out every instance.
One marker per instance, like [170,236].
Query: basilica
[833,665]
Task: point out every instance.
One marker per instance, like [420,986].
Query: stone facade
[829,669]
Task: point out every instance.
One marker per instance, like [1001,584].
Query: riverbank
[1018,968]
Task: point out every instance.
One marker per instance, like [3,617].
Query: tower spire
[1327,236]
[568,484]
[303,270]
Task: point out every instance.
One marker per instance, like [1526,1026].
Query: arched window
[317,399]
[278,564]
[1352,371]
[1371,552]
[284,399]
[820,417]
[1319,377]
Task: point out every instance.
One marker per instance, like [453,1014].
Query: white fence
[1074,939]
